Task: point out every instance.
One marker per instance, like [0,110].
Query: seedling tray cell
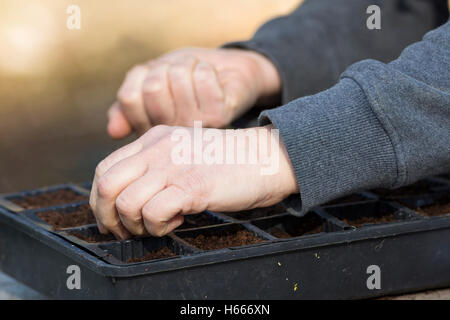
[44,197]
[371,213]
[256,254]
[432,206]
[61,217]
[145,249]
[288,226]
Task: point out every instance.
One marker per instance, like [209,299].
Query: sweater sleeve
[381,125]
[313,45]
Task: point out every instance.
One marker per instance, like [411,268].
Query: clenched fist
[144,187]
[211,85]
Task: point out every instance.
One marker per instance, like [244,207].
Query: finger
[110,185]
[101,228]
[118,125]
[237,95]
[132,199]
[209,95]
[163,212]
[130,99]
[182,88]
[158,101]
[118,155]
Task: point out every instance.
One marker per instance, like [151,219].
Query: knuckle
[195,191]
[101,168]
[203,73]
[109,224]
[128,98]
[104,188]
[154,85]
[150,218]
[178,70]
[125,207]
[159,232]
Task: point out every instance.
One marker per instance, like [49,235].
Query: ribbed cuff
[336,145]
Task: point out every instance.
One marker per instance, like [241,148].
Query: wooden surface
[13,290]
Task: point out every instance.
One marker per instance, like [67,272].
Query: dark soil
[155,254]
[93,238]
[418,188]
[358,222]
[256,213]
[225,240]
[197,220]
[441,207]
[348,199]
[59,219]
[48,199]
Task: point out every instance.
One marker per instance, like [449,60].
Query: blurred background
[56,84]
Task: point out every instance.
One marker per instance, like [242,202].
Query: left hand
[140,189]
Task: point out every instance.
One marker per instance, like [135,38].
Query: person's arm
[314,44]
[382,125]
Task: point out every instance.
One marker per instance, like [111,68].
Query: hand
[144,188]
[212,85]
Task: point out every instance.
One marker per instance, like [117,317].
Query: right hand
[211,85]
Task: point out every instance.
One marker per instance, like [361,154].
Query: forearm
[382,125]
[313,45]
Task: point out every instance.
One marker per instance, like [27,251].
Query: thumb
[118,125]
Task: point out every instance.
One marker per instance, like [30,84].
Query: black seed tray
[259,254]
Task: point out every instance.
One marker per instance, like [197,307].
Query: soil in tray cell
[60,219]
[96,237]
[441,207]
[358,222]
[197,220]
[48,199]
[224,239]
[153,255]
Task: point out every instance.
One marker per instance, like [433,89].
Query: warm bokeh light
[56,84]
[27,36]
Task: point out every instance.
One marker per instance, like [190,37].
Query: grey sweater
[382,124]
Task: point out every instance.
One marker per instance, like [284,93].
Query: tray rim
[310,242]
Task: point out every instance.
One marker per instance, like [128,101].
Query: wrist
[268,74]
[280,180]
